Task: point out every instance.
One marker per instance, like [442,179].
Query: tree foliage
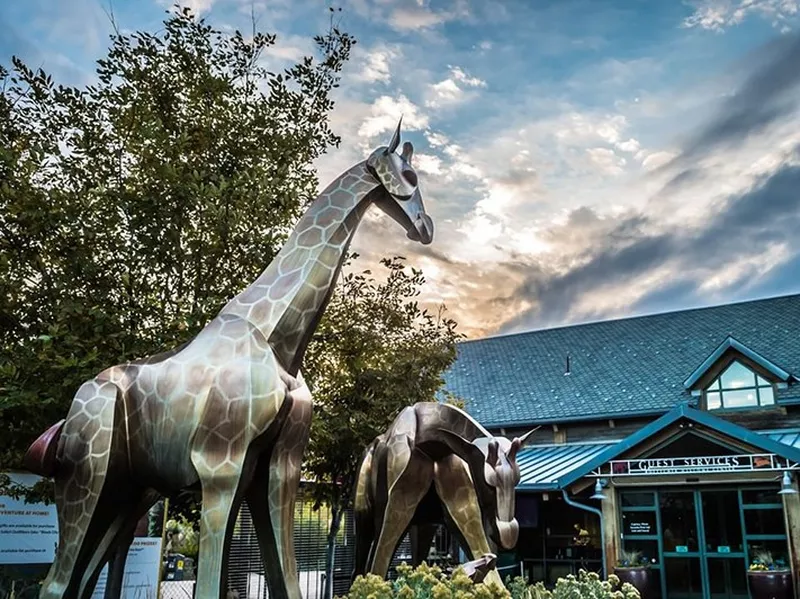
[375,352]
[133,208]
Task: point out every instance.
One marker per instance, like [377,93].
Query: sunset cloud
[579,161]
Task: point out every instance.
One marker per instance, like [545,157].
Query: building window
[739,387]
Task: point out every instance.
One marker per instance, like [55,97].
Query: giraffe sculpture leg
[457,492]
[409,476]
[365,533]
[221,500]
[113,549]
[218,455]
[87,485]
[363,515]
[272,496]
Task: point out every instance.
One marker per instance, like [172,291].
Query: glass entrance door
[682,551]
[700,541]
[723,544]
[703,545]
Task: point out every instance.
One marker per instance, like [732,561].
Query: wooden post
[611,531]
[791,512]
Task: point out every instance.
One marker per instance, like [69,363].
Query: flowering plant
[424,582]
[764,562]
[631,559]
[430,582]
[586,584]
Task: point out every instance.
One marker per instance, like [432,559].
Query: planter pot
[638,577]
[775,584]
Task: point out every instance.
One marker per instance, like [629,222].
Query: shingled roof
[627,367]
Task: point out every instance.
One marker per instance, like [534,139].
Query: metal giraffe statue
[228,412]
[435,455]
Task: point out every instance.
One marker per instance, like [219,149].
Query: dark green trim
[538,487]
[682,412]
[589,418]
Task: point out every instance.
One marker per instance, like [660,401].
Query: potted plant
[769,578]
[634,568]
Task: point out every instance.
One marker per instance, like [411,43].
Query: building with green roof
[676,435]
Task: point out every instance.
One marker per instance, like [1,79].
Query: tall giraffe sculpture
[228,412]
[436,462]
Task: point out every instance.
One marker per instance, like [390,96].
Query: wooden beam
[791,512]
[611,531]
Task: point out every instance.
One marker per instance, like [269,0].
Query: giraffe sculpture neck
[287,300]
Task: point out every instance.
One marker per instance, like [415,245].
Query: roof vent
[567,372]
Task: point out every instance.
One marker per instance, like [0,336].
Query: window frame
[715,387]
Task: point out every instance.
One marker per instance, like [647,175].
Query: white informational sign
[29,535]
[28,531]
[140,580]
[700,465]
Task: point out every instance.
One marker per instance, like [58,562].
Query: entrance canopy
[541,467]
[685,441]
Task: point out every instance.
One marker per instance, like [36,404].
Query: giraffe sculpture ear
[395,138]
[408,152]
[520,442]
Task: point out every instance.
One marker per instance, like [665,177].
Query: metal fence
[246,571]
[246,578]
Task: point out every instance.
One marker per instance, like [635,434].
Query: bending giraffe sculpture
[435,456]
[228,412]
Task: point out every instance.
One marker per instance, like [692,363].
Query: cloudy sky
[582,159]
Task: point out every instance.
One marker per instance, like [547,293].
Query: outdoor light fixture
[786,485]
[598,490]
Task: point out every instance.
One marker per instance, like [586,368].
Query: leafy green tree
[375,352]
[132,209]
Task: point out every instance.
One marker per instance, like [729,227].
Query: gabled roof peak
[731,343]
[683,411]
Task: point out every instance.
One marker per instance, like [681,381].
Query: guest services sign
[696,465]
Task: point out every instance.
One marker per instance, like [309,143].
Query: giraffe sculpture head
[493,463]
[400,197]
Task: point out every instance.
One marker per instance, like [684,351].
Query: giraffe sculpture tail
[41,455]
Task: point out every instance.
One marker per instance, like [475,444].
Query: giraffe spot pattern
[193,413]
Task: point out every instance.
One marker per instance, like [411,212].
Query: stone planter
[771,584]
[639,577]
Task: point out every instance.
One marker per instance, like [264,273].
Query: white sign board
[140,580]
[29,535]
[28,531]
[699,465]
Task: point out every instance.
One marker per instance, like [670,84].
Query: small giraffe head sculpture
[401,198]
[493,463]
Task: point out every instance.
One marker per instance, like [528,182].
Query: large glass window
[739,387]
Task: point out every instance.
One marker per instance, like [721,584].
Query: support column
[611,531]
[791,512]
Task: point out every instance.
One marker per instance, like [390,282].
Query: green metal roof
[618,368]
[787,437]
[541,466]
[682,412]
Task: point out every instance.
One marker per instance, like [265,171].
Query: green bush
[424,582]
[429,582]
[585,585]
